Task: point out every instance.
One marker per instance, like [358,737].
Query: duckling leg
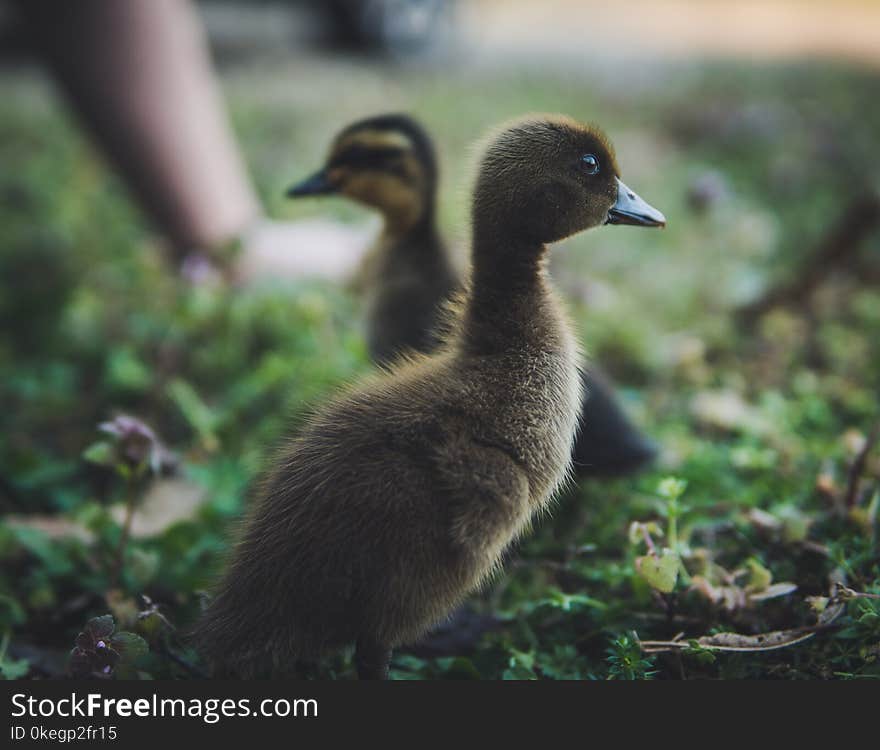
[371,659]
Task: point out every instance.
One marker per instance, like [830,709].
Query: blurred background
[745,338]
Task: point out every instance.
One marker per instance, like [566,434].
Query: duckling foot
[371,660]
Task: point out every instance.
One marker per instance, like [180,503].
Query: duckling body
[401,495]
[391,506]
[388,163]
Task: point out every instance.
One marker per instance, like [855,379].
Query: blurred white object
[310,248]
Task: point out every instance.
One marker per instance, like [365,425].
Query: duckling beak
[631,209]
[317,184]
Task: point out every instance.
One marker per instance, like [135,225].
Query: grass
[760,424]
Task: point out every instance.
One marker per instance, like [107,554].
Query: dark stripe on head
[400,123]
[368,157]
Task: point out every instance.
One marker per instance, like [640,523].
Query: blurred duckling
[401,495]
[388,163]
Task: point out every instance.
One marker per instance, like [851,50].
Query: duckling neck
[511,303]
[412,221]
[418,233]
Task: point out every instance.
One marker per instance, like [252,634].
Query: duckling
[388,163]
[401,495]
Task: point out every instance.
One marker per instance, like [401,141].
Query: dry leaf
[727,410]
[773,591]
[763,520]
[735,641]
[761,642]
[831,613]
[167,502]
[730,597]
[54,527]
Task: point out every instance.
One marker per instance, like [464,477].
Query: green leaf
[518,673]
[100,627]
[143,565]
[795,524]
[54,556]
[11,612]
[524,658]
[126,371]
[570,602]
[661,573]
[461,668]
[13,669]
[636,533]
[100,453]
[759,577]
[671,488]
[130,646]
[196,412]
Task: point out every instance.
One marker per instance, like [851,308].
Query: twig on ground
[735,641]
[769,641]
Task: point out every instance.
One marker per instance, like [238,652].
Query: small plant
[132,450]
[660,567]
[626,661]
[101,652]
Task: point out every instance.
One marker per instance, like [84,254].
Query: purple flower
[137,444]
[197,268]
[91,654]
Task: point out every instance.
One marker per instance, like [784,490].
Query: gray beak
[630,209]
[317,184]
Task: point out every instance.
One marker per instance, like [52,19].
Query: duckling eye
[590,163]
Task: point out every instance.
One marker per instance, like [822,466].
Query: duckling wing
[421,477]
[488,498]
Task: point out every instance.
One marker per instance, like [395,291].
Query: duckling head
[546,177]
[386,163]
